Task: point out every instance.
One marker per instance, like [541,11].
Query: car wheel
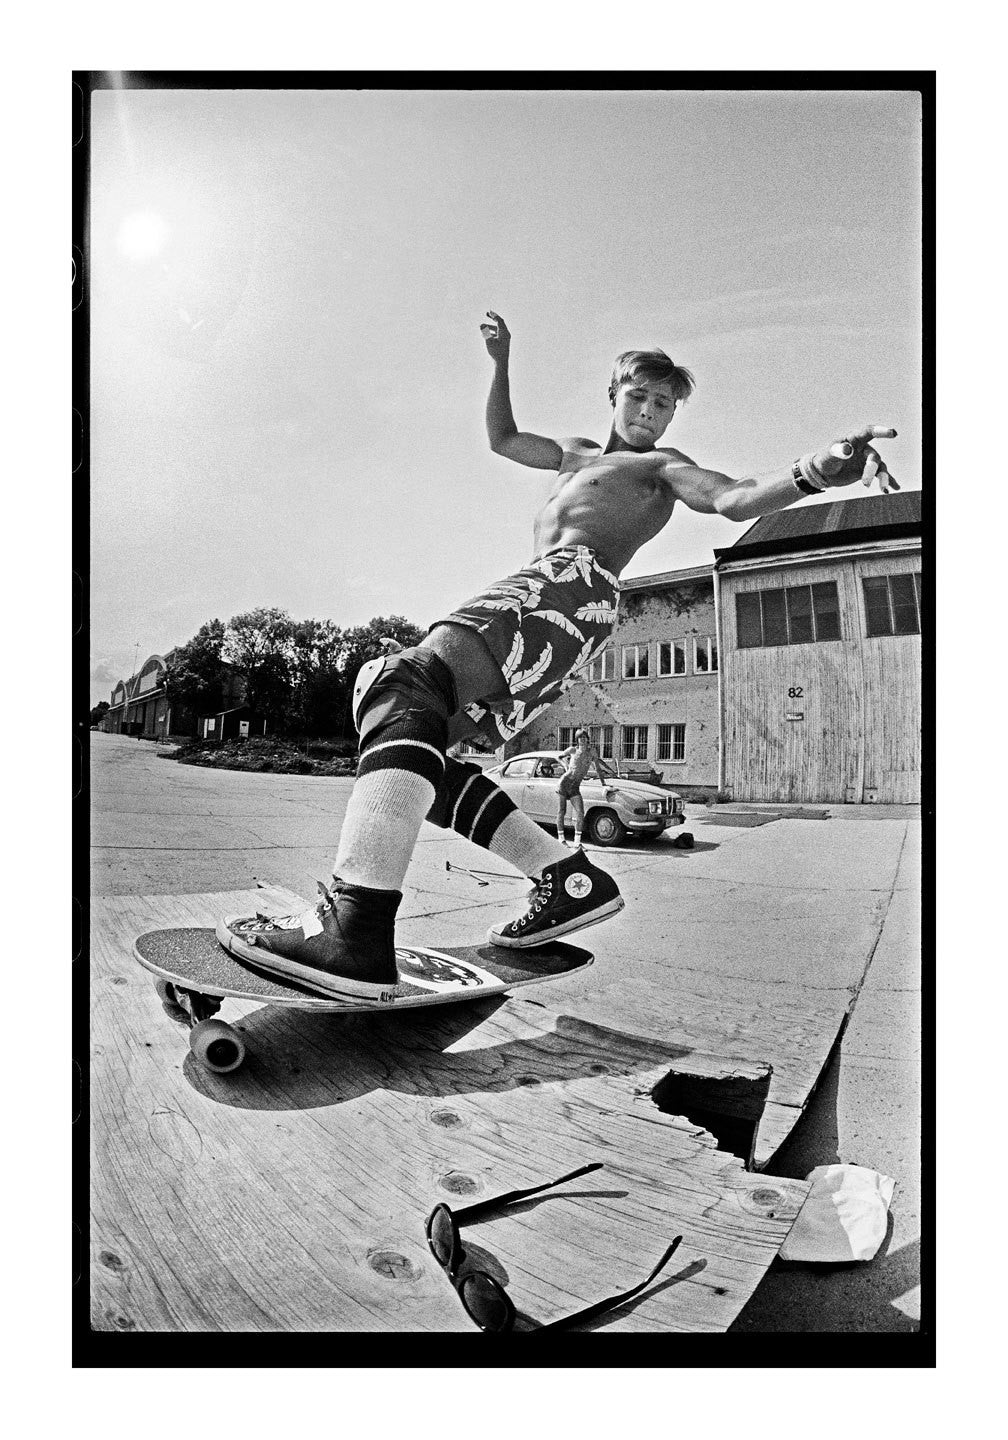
[605,828]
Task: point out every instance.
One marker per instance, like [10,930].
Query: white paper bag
[844,1217]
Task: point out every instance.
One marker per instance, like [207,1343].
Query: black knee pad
[468,802]
[414,687]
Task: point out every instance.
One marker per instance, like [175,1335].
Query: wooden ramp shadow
[292,1194]
[784,1027]
[728,1030]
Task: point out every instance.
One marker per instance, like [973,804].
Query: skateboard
[195,974]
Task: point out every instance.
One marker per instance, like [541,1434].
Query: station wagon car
[613,811]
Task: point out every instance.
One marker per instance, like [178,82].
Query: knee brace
[401,707]
[466,801]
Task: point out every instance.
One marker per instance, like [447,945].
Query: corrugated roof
[805,527]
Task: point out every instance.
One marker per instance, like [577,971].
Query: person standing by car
[578,760]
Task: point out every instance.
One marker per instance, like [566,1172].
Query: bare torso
[614,503]
[578,764]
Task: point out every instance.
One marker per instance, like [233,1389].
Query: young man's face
[642,411]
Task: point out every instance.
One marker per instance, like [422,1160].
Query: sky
[287,377]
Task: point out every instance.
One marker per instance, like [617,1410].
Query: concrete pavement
[741,913]
[866,1111]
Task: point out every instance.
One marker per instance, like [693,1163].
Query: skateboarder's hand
[855,458]
[497,337]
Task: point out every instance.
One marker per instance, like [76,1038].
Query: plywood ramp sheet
[787,1026]
[292,1194]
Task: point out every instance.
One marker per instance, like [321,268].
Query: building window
[467,748]
[601,736]
[635,662]
[704,655]
[565,737]
[892,604]
[671,657]
[672,743]
[603,667]
[634,742]
[795,615]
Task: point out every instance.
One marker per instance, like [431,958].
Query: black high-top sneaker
[572,894]
[345,947]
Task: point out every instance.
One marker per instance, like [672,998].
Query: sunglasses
[484,1300]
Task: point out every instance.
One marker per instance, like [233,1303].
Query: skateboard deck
[195,974]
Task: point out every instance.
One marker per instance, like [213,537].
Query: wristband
[800,482]
[811,482]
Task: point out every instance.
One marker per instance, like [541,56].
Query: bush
[273,755]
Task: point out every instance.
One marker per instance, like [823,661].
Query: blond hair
[653,365]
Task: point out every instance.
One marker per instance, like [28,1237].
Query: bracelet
[806,477]
[801,483]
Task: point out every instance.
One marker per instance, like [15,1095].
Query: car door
[541,791]
[513,779]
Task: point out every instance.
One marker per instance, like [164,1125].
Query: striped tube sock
[398,775]
[475,807]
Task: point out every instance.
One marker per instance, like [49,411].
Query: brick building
[140,707]
[651,699]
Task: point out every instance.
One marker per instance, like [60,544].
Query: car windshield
[517,768]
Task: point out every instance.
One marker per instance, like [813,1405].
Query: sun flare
[142,236]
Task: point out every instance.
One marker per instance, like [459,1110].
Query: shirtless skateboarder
[487,669]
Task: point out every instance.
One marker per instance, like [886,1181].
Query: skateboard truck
[215,1044]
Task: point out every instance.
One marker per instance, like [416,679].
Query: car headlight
[655,807]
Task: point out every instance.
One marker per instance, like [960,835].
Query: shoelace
[327,901]
[539,896]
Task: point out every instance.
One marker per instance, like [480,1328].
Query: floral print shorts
[542,626]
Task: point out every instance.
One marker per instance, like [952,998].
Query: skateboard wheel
[217,1046]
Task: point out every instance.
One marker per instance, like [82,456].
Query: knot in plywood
[458,1184]
[390,1265]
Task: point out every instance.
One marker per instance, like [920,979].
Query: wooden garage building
[819,616]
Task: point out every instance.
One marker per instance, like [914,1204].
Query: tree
[258,644]
[319,691]
[363,643]
[195,673]
[99,710]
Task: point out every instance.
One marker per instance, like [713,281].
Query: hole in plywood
[729,1106]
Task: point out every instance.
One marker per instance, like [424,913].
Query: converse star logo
[578,886]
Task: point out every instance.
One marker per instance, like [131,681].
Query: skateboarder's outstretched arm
[537,451]
[842,463]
